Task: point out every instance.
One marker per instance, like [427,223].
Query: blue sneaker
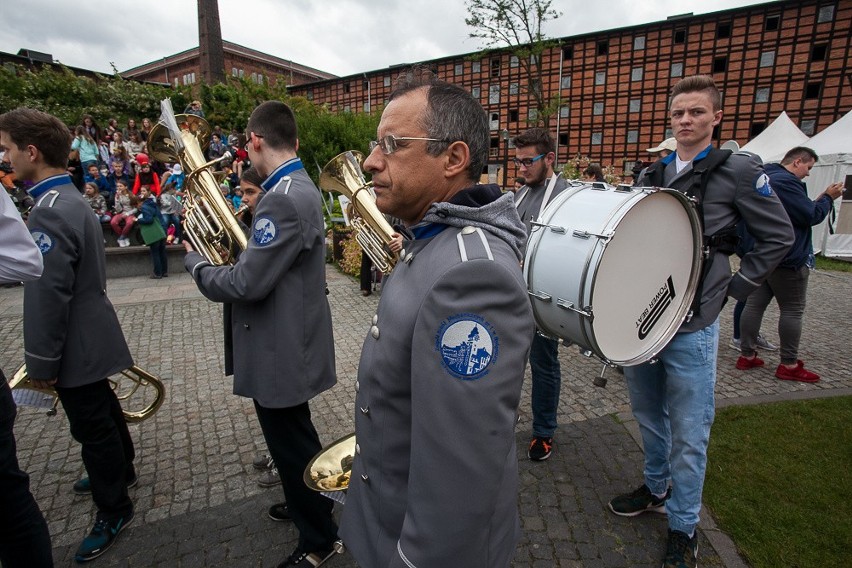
[103,535]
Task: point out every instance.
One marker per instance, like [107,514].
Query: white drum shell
[614,261]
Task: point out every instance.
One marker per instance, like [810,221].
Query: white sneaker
[735,343]
[124,242]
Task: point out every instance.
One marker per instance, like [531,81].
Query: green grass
[825,263]
[778,481]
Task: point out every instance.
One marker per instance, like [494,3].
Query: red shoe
[744,363]
[798,374]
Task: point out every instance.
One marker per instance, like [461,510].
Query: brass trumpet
[343,174]
[138,378]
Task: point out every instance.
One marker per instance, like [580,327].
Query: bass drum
[614,270]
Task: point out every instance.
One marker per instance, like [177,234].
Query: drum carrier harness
[725,240]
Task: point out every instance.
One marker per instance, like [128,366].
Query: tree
[517,25]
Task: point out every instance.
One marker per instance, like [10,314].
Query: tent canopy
[776,139]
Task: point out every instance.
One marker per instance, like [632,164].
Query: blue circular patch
[467,345]
[761,185]
[43,241]
[265,231]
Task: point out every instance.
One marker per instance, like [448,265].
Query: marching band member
[283,348]
[61,309]
[435,475]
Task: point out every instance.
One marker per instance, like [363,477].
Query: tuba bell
[210,223]
[329,471]
[152,395]
[343,174]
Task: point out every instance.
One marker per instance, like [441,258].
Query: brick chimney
[211,54]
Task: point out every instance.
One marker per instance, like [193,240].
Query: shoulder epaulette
[473,245]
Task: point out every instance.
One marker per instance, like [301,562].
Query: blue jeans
[673,402]
[546,382]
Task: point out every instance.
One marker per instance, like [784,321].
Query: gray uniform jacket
[20,258]
[529,199]
[435,476]
[283,347]
[71,331]
[737,189]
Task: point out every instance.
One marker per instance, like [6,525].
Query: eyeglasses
[248,139]
[388,144]
[527,162]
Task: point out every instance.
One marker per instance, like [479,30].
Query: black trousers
[24,540]
[293,441]
[107,449]
[366,272]
[159,257]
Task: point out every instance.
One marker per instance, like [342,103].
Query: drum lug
[544,297]
[554,228]
[586,235]
[570,306]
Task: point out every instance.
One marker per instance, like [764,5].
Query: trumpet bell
[330,469]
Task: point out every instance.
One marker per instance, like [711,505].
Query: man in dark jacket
[789,281]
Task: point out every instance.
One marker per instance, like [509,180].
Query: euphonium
[343,174]
[330,469]
[137,377]
[210,223]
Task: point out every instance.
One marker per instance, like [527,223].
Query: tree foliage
[518,26]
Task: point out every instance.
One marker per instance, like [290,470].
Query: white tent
[834,147]
[776,139]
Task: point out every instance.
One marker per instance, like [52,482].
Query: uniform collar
[281,171]
[671,157]
[47,184]
[426,230]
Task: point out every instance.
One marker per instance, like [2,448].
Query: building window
[495,67]
[808,126]
[386,81]
[598,109]
[600,78]
[475,92]
[680,36]
[513,88]
[812,91]
[494,94]
[635,105]
[762,95]
[346,87]
[476,67]
[564,111]
[632,136]
[636,74]
[513,61]
[254,77]
[177,82]
[533,59]
[767,58]
[597,138]
[720,64]
[513,115]
[603,47]
[234,72]
[723,31]
[566,82]
[310,94]
[366,106]
[563,139]
[826,14]
[495,120]
[773,23]
[756,128]
[819,52]
[677,70]
[668,133]
[638,43]
[459,69]
[568,52]
[532,115]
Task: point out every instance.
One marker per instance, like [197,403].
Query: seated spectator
[171,208]
[237,198]
[240,157]
[86,147]
[92,127]
[96,201]
[194,108]
[126,207]
[134,143]
[216,150]
[147,126]
[117,142]
[111,128]
[177,178]
[146,176]
[93,175]
[128,130]
[593,172]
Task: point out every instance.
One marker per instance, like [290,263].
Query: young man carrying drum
[672,399]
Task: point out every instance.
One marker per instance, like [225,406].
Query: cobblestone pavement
[197,501]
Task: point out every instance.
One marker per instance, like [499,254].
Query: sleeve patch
[467,345]
[761,185]
[265,231]
[43,241]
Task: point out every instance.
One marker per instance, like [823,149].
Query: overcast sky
[342,37]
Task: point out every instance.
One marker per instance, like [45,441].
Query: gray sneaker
[270,478]
[262,462]
[761,343]
[735,344]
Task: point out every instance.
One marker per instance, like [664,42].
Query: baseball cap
[669,144]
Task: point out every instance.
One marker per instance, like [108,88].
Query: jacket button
[374,331]
[358,449]
[245,325]
[365,410]
[375,319]
[357,386]
[408,257]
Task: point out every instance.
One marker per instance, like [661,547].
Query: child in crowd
[146,176]
[153,232]
[125,213]
[178,178]
[94,176]
[96,201]
[86,147]
[171,208]
[237,198]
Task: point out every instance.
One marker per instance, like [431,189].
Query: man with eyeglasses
[435,475]
[534,157]
[282,348]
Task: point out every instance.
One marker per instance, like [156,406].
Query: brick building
[788,55]
[184,68]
